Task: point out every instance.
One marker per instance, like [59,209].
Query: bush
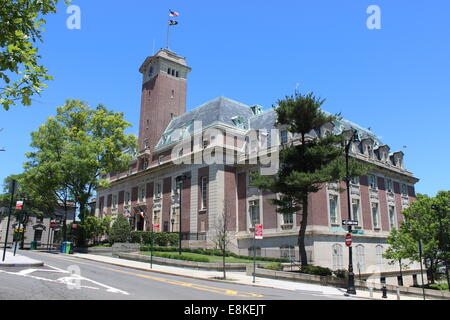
[274,266]
[341,273]
[120,230]
[181,257]
[316,270]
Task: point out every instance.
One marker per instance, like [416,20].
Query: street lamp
[441,241]
[350,136]
[173,221]
[179,181]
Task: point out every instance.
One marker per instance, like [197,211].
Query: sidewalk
[18,260]
[238,278]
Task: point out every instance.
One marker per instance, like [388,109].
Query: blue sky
[394,80]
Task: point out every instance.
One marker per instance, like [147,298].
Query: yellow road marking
[226,292]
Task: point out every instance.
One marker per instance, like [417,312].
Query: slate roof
[223,110]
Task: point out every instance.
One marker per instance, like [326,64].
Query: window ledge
[202,211]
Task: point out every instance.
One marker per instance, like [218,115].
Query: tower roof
[164,54]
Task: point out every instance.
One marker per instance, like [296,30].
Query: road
[68,278]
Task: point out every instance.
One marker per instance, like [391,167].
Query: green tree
[76,148]
[95,227]
[120,230]
[21,27]
[421,222]
[317,158]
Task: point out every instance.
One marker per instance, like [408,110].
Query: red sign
[156,226]
[348,239]
[74,226]
[259,232]
[53,225]
[19,205]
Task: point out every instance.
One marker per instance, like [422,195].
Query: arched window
[360,259]
[338,262]
[379,252]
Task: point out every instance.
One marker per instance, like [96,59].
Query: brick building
[216,146]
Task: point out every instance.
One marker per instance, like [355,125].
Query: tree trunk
[302,232]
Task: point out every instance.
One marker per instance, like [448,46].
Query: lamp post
[350,136]
[442,243]
[12,190]
[180,180]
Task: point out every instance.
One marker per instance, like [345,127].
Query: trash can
[63,247]
[67,247]
[33,245]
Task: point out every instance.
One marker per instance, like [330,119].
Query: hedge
[316,270]
[211,252]
[159,238]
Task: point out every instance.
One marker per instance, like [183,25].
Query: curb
[12,265]
[191,277]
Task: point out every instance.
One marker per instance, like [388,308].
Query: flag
[173,14]
[172,22]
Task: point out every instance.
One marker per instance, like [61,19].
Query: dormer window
[239,122]
[161,159]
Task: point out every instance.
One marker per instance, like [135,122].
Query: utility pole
[12,190]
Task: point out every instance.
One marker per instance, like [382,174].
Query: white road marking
[69,281]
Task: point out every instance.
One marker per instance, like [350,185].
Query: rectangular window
[142,194]
[114,202]
[355,209]
[404,190]
[284,136]
[157,190]
[355,180]
[254,212]
[127,198]
[204,189]
[333,201]
[392,217]
[288,218]
[389,187]
[375,216]
[373,182]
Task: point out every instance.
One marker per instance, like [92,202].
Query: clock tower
[163,95]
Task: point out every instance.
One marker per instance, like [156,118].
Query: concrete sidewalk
[238,278]
[18,260]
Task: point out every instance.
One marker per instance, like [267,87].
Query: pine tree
[305,165]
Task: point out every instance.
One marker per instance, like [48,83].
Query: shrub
[173,239]
[316,270]
[341,273]
[136,236]
[120,230]
[274,266]
[181,257]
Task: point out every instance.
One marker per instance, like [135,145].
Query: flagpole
[167,38]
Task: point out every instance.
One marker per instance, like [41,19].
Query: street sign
[53,225]
[19,205]
[348,239]
[156,226]
[349,222]
[259,232]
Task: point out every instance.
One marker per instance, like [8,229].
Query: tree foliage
[317,158]
[422,223]
[21,27]
[120,230]
[75,148]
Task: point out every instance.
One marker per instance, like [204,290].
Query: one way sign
[349,222]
